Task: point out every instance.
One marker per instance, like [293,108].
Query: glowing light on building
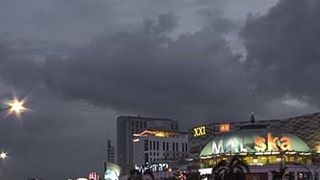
[224,127]
[318,148]
[93,176]
[156,133]
[112,172]
[199,131]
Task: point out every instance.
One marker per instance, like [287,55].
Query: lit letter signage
[258,144]
[217,149]
[285,144]
[199,131]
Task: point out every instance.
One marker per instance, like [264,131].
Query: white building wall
[159,149]
[127,125]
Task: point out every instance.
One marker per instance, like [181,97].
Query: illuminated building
[305,126]
[263,149]
[293,142]
[257,145]
[157,146]
[127,126]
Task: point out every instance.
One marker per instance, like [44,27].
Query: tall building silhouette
[110,152]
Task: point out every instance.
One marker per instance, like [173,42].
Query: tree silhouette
[235,169]
[135,175]
[281,174]
[148,175]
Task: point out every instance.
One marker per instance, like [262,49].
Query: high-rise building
[127,126]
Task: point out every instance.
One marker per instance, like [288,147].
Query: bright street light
[3,155]
[15,106]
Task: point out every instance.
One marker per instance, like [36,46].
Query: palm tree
[148,175]
[135,175]
[281,174]
[193,176]
[235,169]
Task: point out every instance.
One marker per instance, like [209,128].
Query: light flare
[3,155]
[16,106]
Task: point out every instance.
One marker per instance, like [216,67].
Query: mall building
[264,145]
[307,127]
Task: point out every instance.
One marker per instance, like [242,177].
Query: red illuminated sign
[94,176]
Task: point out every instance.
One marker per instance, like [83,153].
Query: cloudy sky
[81,63]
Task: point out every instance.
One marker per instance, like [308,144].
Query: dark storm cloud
[140,71]
[145,71]
[134,61]
[284,50]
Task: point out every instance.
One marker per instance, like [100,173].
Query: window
[146,143]
[177,147]
[150,145]
[163,146]
[146,158]
[158,145]
[173,147]
[167,146]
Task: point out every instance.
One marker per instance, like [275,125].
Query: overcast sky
[82,63]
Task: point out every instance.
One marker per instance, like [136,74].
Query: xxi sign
[199,131]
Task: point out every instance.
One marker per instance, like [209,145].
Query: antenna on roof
[252,119]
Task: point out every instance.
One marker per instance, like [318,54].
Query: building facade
[305,126]
[129,125]
[157,146]
[264,149]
